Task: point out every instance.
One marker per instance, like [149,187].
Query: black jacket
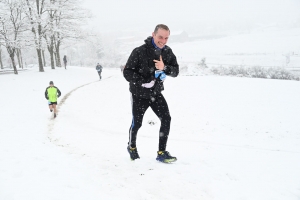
[99,68]
[140,69]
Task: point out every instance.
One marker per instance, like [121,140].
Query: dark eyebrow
[163,37]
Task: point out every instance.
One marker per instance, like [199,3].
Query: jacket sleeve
[46,94]
[130,72]
[172,68]
[58,93]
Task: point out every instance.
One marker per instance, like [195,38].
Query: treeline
[39,25]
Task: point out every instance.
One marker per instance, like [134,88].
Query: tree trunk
[51,52]
[39,54]
[52,58]
[20,53]
[55,58]
[1,64]
[39,50]
[18,57]
[43,54]
[12,57]
[50,48]
[57,54]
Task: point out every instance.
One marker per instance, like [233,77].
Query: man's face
[161,37]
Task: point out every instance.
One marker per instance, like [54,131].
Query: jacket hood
[148,40]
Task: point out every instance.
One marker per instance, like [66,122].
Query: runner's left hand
[159,64]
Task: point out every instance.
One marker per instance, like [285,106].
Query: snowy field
[235,138]
[265,48]
[268,48]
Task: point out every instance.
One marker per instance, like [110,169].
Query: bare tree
[35,11]
[69,18]
[65,18]
[50,33]
[12,24]
[48,24]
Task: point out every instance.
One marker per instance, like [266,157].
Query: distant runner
[51,94]
[99,70]
[65,61]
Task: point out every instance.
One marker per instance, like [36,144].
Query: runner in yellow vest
[51,94]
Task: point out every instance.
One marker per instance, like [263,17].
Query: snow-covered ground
[265,48]
[261,48]
[235,138]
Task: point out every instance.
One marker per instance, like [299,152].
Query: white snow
[235,138]
[260,48]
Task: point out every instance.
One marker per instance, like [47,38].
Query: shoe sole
[167,160]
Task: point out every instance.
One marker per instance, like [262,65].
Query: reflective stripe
[132,123]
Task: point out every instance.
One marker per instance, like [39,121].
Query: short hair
[162,26]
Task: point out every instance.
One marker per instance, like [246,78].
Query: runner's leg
[161,109]
[54,108]
[139,107]
[50,107]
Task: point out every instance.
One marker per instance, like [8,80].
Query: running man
[99,70]
[51,94]
[65,61]
[146,70]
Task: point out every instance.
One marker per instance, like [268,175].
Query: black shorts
[52,103]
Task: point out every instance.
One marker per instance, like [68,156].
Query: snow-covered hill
[235,138]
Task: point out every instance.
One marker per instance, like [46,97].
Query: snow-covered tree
[49,24]
[65,18]
[50,33]
[12,21]
[36,14]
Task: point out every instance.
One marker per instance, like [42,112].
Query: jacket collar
[149,41]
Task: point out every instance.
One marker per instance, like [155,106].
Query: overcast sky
[189,15]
